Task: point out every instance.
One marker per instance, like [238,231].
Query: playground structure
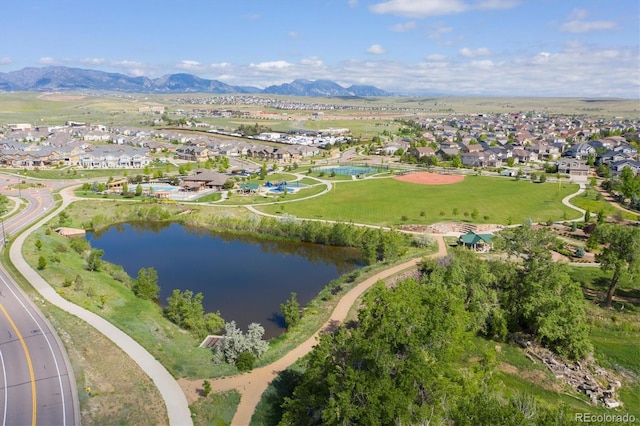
[283,186]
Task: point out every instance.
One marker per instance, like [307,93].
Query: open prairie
[364,116]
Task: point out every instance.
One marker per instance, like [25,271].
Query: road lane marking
[53,355]
[34,405]
[6,391]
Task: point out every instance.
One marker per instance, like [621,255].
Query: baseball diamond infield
[426,178]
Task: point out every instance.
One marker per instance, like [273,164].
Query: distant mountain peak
[60,78]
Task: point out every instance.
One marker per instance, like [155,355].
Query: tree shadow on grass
[281,387]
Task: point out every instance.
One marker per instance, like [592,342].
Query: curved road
[37,385]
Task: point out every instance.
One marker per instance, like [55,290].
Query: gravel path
[253,384]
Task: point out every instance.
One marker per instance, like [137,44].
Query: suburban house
[579,150]
[204,179]
[193,153]
[522,155]
[480,159]
[114,157]
[578,171]
[423,151]
[617,167]
[612,157]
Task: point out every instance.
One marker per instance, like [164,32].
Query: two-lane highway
[37,385]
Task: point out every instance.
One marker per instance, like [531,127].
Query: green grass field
[388,202]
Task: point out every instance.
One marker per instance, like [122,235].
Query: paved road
[37,385]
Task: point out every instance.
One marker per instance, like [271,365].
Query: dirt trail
[253,384]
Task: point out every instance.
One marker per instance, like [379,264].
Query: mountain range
[59,78]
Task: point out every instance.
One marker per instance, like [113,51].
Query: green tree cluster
[620,253]
[401,362]
[538,296]
[291,312]
[185,309]
[146,286]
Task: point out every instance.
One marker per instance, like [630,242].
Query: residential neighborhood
[573,147]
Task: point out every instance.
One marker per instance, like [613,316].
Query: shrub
[245,361]
[580,252]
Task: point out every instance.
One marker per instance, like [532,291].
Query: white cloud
[424,8]
[352,3]
[485,64]
[253,16]
[577,23]
[47,60]
[313,61]
[376,49]
[221,65]
[436,57]
[437,30]
[587,26]
[472,53]
[404,27]
[5,60]
[134,68]
[92,61]
[189,65]
[271,65]
[419,8]
[293,34]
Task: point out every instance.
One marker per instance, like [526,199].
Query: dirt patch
[538,377]
[426,178]
[111,385]
[60,97]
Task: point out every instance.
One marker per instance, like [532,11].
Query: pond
[244,278]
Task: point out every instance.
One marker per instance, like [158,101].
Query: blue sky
[459,47]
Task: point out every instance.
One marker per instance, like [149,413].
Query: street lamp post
[4,237]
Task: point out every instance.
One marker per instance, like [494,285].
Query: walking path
[174,399]
[566,201]
[253,384]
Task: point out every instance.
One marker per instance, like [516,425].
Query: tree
[146,286]
[206,388]
[245,361]
[38,244]
[138,190]
[236,343]
[538,295]
[42,263]
[94,260]
[394,368]
[185,310]
[263,171]
[620,253]
[291,312]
